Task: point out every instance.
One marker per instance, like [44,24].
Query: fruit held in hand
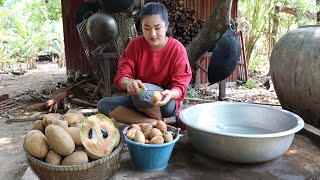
[156,96]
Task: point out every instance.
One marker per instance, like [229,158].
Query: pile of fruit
[72,138]
[150,133]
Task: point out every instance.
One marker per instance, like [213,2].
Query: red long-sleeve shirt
[168,67]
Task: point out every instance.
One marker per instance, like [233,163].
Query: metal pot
[84,12]
[225,57]
[101,28]
[240,132]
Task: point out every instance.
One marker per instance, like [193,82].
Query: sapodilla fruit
[156,96]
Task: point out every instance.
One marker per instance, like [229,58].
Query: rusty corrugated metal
[75,56]
[204,8]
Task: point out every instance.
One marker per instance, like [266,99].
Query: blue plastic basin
[150,157]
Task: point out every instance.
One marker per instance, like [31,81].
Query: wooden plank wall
[76,58]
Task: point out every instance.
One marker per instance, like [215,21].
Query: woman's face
[154,31]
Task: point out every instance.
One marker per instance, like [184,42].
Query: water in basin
[239,129]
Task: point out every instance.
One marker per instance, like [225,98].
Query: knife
[154,89]
[141,90]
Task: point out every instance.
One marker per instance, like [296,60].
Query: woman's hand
[167,95]
[134,86]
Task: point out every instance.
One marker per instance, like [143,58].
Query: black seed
[104,133]
[90,134]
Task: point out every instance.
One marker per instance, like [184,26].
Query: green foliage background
[260,15]
[29,28]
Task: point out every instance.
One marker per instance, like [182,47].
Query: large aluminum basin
[240,132]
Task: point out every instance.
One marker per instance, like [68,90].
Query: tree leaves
[30,27]
[260,17]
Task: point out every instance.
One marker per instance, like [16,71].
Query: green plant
[249,84]
[256,64]
[191,93]
[266,25]
[28,28]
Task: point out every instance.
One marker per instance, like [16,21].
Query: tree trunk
[250,43]
[274,30]
[275,25]
[32,63]
[318,13]
[213,29]
[127,29]
[62,58]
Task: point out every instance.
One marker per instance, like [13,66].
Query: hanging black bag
[225,57]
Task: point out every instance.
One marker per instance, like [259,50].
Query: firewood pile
[183,24]
[77,92]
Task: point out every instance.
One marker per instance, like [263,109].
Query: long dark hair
[156,8]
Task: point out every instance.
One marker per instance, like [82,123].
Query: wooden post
[105,67]
[222,89]
[96,90]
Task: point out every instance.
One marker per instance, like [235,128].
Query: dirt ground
[13,160]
